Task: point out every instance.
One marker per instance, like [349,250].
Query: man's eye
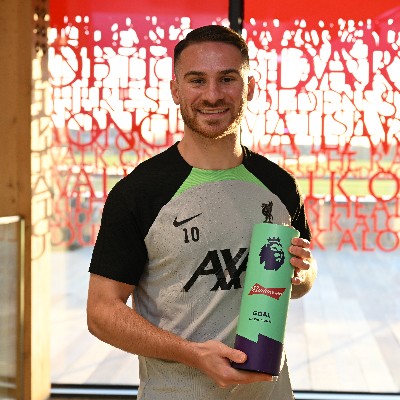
[227,79]
[197,81]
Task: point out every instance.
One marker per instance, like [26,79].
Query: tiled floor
[343,336]
[78,357]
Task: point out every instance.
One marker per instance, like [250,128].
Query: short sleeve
[119,253]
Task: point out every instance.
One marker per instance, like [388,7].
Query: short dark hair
[213,33]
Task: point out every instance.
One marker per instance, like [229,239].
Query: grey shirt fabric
[181,236]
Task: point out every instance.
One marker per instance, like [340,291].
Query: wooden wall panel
[15,83]
[17,54]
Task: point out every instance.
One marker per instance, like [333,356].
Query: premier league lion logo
[272,255]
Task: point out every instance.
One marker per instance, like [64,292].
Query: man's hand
[113,322]
[305,267]
[213,358]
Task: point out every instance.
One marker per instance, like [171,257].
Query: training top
[181,235]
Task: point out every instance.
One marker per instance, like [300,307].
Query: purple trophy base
[263,356]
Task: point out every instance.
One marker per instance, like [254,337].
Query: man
[176,232]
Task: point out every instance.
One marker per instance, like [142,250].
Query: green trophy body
[265,301]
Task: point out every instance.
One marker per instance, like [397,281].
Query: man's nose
[213,92]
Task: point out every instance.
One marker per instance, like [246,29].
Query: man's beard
[211,131]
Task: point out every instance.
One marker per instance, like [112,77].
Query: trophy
[266,293]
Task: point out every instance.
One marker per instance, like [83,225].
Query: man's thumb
[237,356]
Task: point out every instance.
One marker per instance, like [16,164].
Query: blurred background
[86,98]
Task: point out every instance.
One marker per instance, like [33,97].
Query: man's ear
[251,87]
[173,85]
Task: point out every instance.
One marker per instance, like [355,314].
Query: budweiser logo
[275,293]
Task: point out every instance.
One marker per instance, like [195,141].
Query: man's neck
[212,154]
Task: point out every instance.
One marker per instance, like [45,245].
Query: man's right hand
[112,321]
[214,359]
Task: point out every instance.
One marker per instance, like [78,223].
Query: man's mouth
[213,111]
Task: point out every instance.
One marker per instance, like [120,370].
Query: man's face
[212,88]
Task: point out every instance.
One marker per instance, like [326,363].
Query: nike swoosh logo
[177,223]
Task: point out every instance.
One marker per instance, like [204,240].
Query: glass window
[110,64]
[12,310]
[325,108]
